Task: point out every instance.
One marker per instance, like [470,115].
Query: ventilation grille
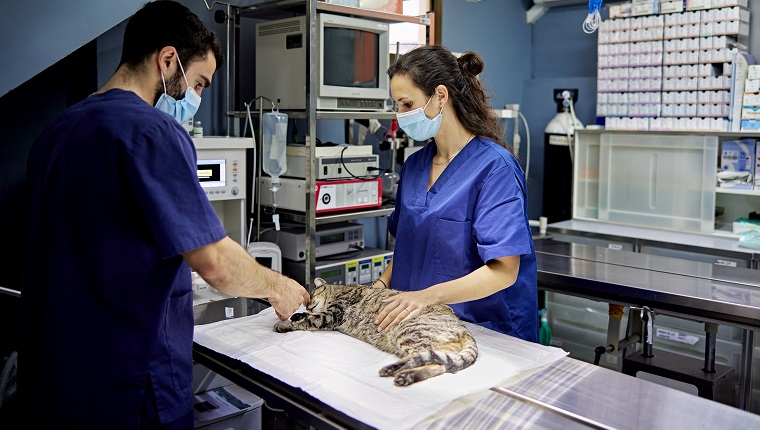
[292,26]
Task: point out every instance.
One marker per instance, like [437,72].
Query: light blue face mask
[183,109]
[417,125]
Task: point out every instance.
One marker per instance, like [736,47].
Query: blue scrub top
[107,296]
[476,211]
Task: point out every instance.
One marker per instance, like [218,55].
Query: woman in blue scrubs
[460,222]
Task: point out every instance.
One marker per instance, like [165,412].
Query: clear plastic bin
[644,179]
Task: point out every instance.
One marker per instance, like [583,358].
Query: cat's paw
[283,327]
[405,378]
[389,370]
[299,316]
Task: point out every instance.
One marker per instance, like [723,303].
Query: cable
[569,136]
[254,184]
[527,133]
[591,23]
[574,125]
[364,178]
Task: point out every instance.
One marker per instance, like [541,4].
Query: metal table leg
[745,370]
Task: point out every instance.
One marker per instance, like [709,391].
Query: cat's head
[320,296]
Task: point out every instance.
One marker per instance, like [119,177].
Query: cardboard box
[751,99]
[752,86]
[644,8]
[392,6]
[737,164]
[352,3]
[753,71]
[698,4]
[671,6]
[750,112]
[750,125]
[757,166]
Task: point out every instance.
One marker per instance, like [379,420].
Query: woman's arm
[494,276]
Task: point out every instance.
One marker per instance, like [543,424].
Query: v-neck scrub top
[114,202]
[476,211]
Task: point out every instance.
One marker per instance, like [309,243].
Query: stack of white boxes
[751,100]
[667,65]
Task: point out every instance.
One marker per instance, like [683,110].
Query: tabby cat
[430,344]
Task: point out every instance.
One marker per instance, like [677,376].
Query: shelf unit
[736,202]
[275,9]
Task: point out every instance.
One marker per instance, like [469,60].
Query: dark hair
[167,23]
[432,65]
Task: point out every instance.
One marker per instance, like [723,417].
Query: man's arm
[226,266]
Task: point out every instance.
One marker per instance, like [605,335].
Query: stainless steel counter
[624,236]
[688,289]
[670,285]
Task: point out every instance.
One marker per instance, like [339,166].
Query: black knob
[220,16]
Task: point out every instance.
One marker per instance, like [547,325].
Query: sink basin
[234,307]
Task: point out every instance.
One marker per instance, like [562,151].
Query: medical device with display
[334,162]
[332,196]
[330,239]
[351,55]
[220,166]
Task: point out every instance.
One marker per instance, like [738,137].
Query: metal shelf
[265,7]
[300,217]
[719,134]
[278,9]
[736,191]
[325,114]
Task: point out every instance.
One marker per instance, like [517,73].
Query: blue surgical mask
[184,109]
[417,125]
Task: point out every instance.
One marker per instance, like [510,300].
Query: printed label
[673,335]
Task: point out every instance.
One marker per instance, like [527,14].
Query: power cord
[364,178]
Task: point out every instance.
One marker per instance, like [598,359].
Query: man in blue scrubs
[460,223]
[117,220]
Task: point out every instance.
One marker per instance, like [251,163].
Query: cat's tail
[464,358]
[465,353]
[430,363]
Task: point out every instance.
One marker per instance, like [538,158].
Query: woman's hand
[402,307]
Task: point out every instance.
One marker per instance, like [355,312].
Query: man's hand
[288,296]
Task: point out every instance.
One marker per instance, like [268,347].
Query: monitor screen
[350,58]
[264,261]
[212,173]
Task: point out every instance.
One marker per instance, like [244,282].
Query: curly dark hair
[167,23]
[432,65]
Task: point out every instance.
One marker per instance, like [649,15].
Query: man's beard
[174,88]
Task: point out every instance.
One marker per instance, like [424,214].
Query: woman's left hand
[401,307]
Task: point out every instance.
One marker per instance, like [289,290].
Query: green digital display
[330,274]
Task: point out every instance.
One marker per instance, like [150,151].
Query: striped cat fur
[430,344]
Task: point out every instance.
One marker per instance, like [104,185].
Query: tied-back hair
[432,65]
[163,23]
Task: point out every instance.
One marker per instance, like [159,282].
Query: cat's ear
[318,282]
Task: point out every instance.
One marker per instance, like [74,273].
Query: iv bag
[273,141]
